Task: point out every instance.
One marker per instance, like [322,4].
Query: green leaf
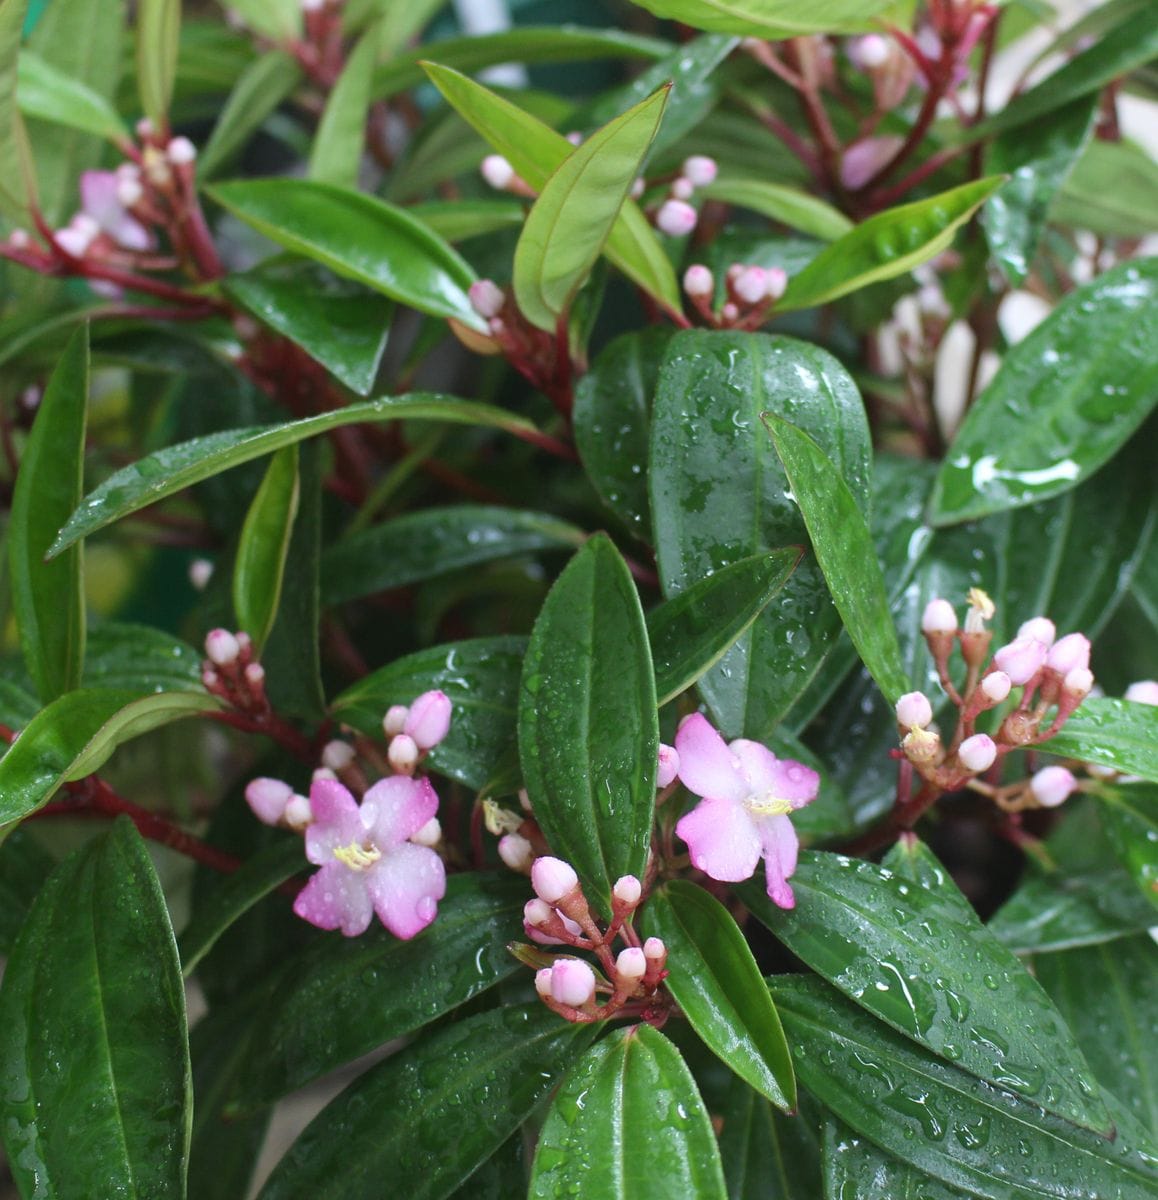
[337,322]
[457,220]
[94,1060]
[259,567]
[261,87]
[24,866]
[719,494]
[632,1097]
[1037,162]
[75,735]
[236,895]
[588,733]
[1064,401]
[341,998]
[359,237]
[429,1115]
[844,549]
[337,150]
[1108,192]
[1130,818]
[718,986]
[693,630]
[579,204]
[775,19]
[13,142]
[481,677]
[140,658]
[536,151]
[277,19]
[49,94]
[1113,733]
[907,946]
[158,36]
[855,1169]
[944,1121]
[1109,997]
[435,541]
[765,1153]
[889,244]
[166,471]
[786,205]
[48,597]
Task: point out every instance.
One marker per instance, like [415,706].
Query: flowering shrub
[554,578]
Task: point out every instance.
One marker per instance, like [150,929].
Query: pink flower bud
[1078,682]
[255,675]
[863,159]
[200,573]
[1021,659]
[497,172]
[631,963]
[777,283]
[402,754]
[751,285]
[337,755]
[977,753]
[1145,691]
[699,170]
[268,799]
[395,719]
[676,218]
[19,239]
[516,852]
[914,709]
[524,800]
[429,835]
[129,192]
[1051,785]
[181,152]
[429,719]
[729,312]
[638,187]
[682,189]
[221,647]
[320,773]
[1071,651]
[298,813]
[209,678]
[669,766]
[1041,628]
[73,242]
[627,890]
[552,878]
[486,298]
[543,981]
[145,128]
[996,686]
[537,913]
[939,617]
[869,52]
[654,950]
[572,982]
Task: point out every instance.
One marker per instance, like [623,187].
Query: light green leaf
[50,95]
[1113,733]
[337,149]
[13,145]
[158,37]
[786,205]
[773,19]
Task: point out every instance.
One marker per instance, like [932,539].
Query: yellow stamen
[357,857]
[768,805]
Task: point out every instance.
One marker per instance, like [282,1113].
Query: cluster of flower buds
[675,215]
[560,916]
[883,60]
[751,294]
[415,730]
[232,673]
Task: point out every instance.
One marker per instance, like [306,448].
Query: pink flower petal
[722,839]
[336,821]
[757,763]
[98,196]
[706,764]
[336,898]
[780,843]
[769,776]
[397,808]
[406,886]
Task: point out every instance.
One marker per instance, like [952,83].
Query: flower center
[768,805]
[357,857]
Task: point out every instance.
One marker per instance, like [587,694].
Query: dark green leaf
[47,93]
[24,866]
[48,597]
[94,1060]
[786,205]
[423,1120]
[1063,402]
[844,549]
[628,1124]
[1130,818]
[337,322]
[337,150]
[434,541]
[140,658]
[770,18]
[765,1153]
[908,947]
[158,35]
[1114,733]
[692,631]
[340,998]
[718,986]
[480,676]
[944,1121]
[857,1170]
[588,734]
[359,237]
[719,493]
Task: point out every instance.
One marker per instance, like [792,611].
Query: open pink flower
[101,200]
[747,795]
[368,864]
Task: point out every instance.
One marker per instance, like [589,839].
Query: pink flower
[747,795]
[428,719]
[368,864]
[101,201]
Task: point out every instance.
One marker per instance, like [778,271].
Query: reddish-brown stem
[891,195]
[273,727]
[904,816]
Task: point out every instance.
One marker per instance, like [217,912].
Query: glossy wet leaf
[944,1121]
[766,1153]
[479,1077]
[340,998]
[359,237]
[719,493]
[718,986]
[337,150]
[888,244]
[691,632]
[1064,401]
[1114,733]
[24,866]
[337,322]
[158,34]
[481,677]
[588,734]
[906,945]
[773,19]
[1130,818]
[51,95]
[48,597]
[632,1100]
[1109,996]
[855,1169]
[435,541]
[166,471]
[844,549]
[785,205]
[140,658]
[612,419]
[94,986]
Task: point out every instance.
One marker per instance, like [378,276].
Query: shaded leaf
[1130,818]
[1114,733]
[855,1169]
[158,35]
[337,150]
[766,1153]
[786,205]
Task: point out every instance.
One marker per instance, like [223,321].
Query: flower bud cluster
[675,216]
[560,915]
[415,730]
[750,294]
[232,673]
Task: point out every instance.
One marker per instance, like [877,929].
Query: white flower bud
[996,686]
[572,982]
[221,647]
[977,753]
[698,281]
[1078,682]
[939,617]
[676,218]
[700,170]
[337,755]
[73,241]
[129,192]
[1145,691]
[668,766]
[516,852]
[323,773]
[1069,652]
[543,981]
[868,53]
[914,709]
[777,283]
[395,719]
[497,172]
[654,950]
[638,187]
[402,754]
[255,674]
[682,189]
[298,813]
[553,879]
[1052,785]
[627,890]
[1041,628]
[751,285]
[268,799]
[200,572]
[181,152]
[631,963]
[486,298]
[429,835]
[537,913]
